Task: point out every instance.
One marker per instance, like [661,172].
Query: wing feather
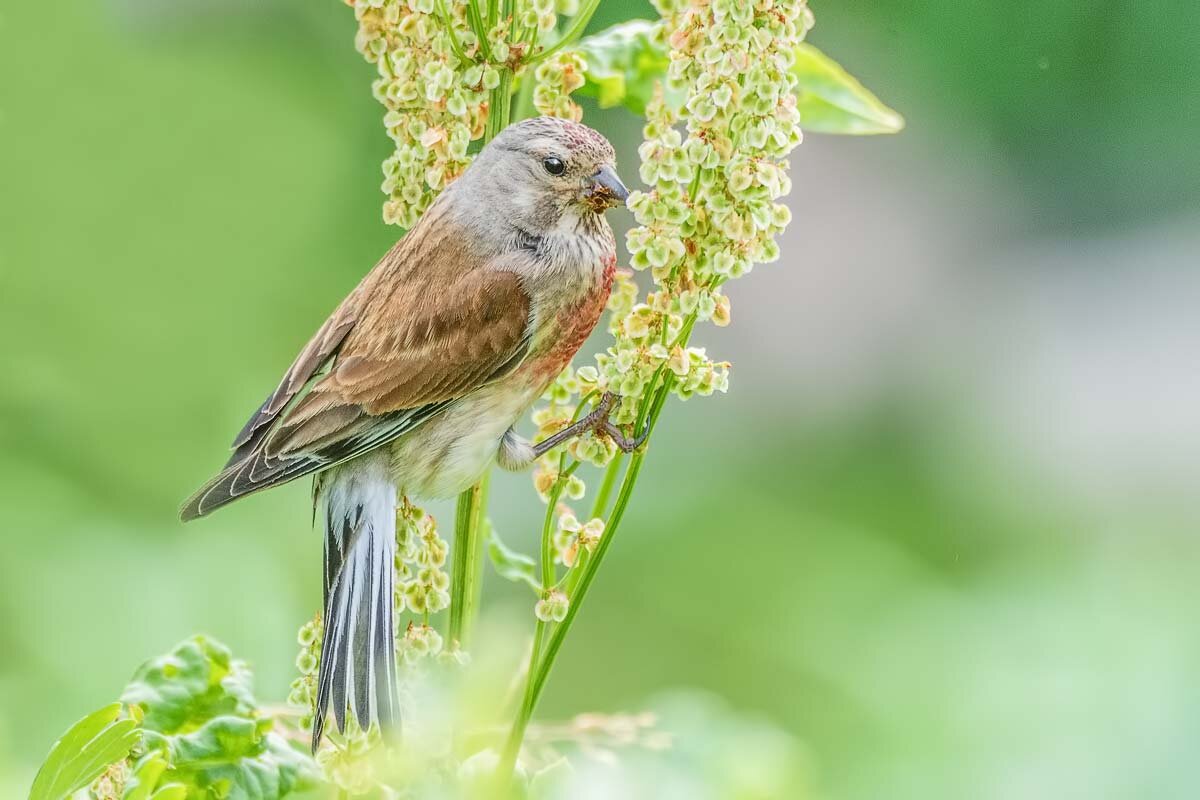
[431,323]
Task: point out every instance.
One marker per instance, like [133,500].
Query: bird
[415,384]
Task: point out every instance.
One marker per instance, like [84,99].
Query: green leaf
[831,100]
[240,759]
[83,752]
[623,64]
[196,681]
[509,563]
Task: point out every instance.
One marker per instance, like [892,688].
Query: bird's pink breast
[575,322]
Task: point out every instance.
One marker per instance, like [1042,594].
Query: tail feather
[357,675]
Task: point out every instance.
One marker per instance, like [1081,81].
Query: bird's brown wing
[428,325]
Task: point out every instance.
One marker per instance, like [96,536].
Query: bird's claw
[601,424]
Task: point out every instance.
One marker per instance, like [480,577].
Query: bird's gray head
[544,173]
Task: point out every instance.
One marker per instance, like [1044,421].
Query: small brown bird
[414,385]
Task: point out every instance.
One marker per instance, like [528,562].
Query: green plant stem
[448,23]
[467,578]
[467,566]
[578,24]
[475,20]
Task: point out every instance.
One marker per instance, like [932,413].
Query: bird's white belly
[451,452]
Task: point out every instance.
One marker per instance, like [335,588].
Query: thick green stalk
[467,582]
[467,566]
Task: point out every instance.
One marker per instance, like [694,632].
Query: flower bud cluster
[436,102]
[422,585]
[712,211]
[303,694]
[556,78]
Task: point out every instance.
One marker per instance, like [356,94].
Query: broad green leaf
[204,734]
[221,738]
[623,64]
[83,752]
[831,100]
[509,563]
[196,681]
[239,759]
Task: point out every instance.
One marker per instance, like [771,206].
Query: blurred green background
[942,528]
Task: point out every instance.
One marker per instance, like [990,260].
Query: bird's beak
[606,190]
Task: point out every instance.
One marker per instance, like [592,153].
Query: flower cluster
[556,78]
[571,536]
[436,100]
[713,209]
[422,585]
[419,642]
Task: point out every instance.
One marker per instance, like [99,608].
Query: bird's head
[545,172]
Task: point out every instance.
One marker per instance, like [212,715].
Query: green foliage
[196,681]
[624,64]
[832,100]
[84,752]
[202,736]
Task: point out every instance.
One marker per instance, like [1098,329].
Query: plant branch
[448,23]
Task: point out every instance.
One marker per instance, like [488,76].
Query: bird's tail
[358,667]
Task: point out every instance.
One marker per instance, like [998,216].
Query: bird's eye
[554,165]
